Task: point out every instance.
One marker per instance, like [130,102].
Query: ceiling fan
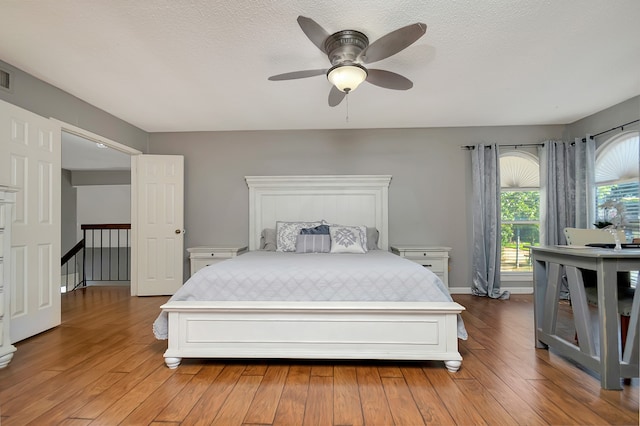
[349,51]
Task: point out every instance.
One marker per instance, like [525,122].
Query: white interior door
[30,160]
[157,222]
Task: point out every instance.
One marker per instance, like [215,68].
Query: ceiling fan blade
[392,43]
[297,74]
[315,32]
[389,80]
[336,96]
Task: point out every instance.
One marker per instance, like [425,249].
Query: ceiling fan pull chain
[347,96]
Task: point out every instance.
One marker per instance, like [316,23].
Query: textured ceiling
[178,65]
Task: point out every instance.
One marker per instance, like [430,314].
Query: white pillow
[363,233]
[347,239]
[287,234]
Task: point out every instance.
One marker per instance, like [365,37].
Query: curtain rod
[470,147]
[621,127]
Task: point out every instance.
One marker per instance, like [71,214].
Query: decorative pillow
[363,233]
[268,239]
[372,238]
[313,243]
[287,234]
[347,239]
[320,229]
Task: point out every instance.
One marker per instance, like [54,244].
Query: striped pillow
[313,243]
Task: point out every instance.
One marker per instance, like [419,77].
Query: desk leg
[631,355]
[539,288]
[543,289]
[608,323]
[581,317]
[552,294]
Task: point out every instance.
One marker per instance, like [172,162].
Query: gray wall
[46,100]
[69,198]
[428,197]
[102,204]
[616,115]
[101,177]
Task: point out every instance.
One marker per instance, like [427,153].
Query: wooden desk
[605,359]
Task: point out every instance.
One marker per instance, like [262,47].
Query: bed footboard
[314,330]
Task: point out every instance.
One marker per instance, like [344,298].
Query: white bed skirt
[313,330]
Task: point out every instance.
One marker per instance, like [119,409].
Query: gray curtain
[486,222]
[567,195]
[567,179]
[585,212]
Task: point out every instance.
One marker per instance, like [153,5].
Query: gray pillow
[313,243]
[268,239]
[372,238]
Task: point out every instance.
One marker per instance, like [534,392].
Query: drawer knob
[213,254]
[428,266]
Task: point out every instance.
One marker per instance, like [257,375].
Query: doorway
[95,190]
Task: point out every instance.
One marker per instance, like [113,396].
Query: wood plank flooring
[103,366]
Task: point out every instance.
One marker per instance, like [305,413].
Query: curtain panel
[486,222]
[567,180]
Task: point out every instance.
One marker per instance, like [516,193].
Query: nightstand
[434,258]
[200,257]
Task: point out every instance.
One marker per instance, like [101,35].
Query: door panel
[30,160]
[157,224]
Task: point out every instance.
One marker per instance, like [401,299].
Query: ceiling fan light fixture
[347,78]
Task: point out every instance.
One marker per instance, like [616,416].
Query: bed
[373,305]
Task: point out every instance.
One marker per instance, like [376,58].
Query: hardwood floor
[103,366]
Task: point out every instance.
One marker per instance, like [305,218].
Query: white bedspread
[262,276]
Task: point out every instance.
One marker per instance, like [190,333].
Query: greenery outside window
[520,211]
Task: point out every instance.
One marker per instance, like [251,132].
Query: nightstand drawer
[436,265]
[197,264]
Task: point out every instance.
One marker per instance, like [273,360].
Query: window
[520,210]
[617,181]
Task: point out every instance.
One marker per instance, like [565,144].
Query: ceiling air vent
[5,80]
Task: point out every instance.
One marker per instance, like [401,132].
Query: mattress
[376,276]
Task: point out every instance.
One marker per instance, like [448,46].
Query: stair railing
[73,269]
[108,252]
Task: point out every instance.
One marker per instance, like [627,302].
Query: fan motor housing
[345,46]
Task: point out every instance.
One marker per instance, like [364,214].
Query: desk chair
[582,237]
[576,236]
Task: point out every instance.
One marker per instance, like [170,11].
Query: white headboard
[346,200]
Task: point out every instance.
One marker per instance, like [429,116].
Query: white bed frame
[315,330]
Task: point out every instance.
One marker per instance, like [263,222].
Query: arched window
[520,209]
[617,185]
